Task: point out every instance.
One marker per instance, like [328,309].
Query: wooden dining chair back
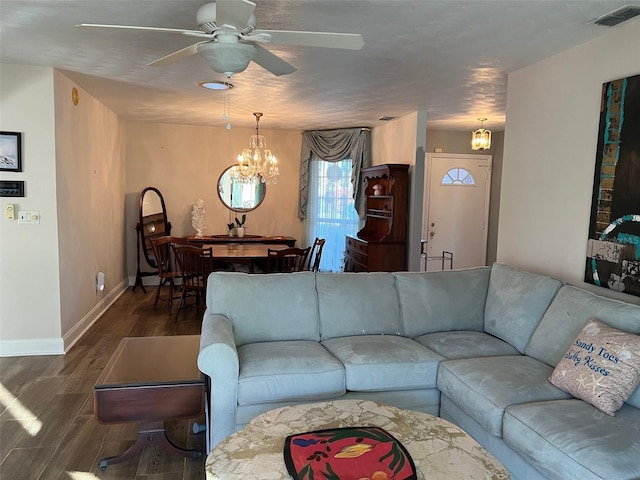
[195,265]
[313,262]
[168,270]
[287,260]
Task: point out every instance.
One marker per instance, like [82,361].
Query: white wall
[184,163]
[74,172]
[90,193]
[395,141]
[549,155]
[403,141]
[29,270]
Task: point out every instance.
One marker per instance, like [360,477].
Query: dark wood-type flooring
[47,427]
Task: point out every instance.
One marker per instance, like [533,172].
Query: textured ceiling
[449,58]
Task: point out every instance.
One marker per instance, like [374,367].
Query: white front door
[456,210]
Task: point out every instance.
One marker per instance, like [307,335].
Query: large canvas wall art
[613,252]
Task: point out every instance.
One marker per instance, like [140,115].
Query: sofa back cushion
[567,315]
[442,301]
[357,304]
[516,301]
[264,308]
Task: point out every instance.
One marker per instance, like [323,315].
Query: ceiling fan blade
[272,62]
[152,29]
[349,41]
[235,13]
[175,56]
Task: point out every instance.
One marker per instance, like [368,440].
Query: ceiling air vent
[618,16]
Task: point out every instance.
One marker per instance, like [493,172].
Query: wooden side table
[151,380]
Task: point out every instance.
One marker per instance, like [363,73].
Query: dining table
[224,239]
[248,254]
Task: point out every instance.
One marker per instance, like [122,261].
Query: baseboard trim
[59,346]
[80,328]
[31,346]
[150,281]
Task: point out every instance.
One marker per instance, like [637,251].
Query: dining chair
[168,270]
[287,260]
[195,265]
[313,262]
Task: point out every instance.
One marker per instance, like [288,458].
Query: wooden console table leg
[149,433]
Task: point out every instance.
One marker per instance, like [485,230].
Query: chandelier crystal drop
[257,161]
[481,138]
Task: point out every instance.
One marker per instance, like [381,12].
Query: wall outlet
[28,217]
[100,282]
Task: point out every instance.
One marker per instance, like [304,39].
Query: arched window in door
[458,176]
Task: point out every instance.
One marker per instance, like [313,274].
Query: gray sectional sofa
[474,346]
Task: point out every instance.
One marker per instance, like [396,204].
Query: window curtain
[334,146]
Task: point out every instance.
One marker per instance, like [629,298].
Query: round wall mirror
[239,196]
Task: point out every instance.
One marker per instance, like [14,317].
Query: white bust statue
[197,218]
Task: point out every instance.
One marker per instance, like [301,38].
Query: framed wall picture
[613,248]
[11,151]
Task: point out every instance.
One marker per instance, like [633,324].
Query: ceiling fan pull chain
[228,126]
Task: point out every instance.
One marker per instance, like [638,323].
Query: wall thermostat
[11,188]
[10,210]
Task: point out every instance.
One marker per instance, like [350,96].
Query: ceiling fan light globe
[227,57]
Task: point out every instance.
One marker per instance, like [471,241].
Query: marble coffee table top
[440,450]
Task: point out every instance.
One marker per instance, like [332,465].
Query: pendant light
[481,138]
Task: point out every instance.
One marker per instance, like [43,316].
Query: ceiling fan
[231,41]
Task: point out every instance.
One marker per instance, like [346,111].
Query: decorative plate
[353,453]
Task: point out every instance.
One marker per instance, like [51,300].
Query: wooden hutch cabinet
[381,245]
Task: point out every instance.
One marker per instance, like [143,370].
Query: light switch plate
[28,217]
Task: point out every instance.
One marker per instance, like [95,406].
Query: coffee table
[440,450]
[150,380]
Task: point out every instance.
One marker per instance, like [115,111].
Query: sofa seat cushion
[466,344]
[570,439]
[287,371]
[484,387]
[384,362]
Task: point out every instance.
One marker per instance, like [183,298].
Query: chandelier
[257,161]
[481,138]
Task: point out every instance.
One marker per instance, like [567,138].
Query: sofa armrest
[218,359]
